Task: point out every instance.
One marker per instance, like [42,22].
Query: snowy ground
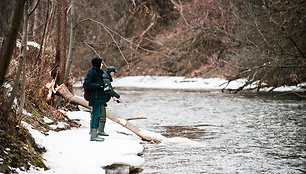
[71,151]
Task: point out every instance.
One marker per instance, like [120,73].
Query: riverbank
[70,151]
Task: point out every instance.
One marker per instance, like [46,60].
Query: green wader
[102,122]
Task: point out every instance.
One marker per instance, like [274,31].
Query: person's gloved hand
[119,100]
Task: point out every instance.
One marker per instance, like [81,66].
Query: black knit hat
[96,62]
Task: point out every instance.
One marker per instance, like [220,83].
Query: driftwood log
[63,91]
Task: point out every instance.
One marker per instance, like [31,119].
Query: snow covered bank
[71,151]
[170,82]
[167,82]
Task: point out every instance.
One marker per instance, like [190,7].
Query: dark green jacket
[107,80]
[94,83]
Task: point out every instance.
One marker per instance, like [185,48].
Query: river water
[213,132]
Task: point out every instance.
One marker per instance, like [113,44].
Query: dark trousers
[95,116]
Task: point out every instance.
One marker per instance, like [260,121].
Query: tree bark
[63,91]
[42,43]
[36,23]
[60,58]
[24,55]
[10,40]
[14,91]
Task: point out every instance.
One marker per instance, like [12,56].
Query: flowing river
[213,132]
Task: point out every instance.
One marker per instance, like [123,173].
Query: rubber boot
[101,129]
[94,136]
[90,130]
[90,124]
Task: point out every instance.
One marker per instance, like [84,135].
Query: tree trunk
[51,16]
[36,23]
[60,58]
[63,91]
[71,42]
[42,42]
[10,39]
[21,68]
[24,55]
[14,90]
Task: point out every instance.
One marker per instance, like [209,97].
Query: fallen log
[138,118]
[131,127]
[63,91]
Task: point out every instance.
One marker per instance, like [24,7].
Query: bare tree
[21,69]
[24,56]
[10,39]
[273,49]
[71,43]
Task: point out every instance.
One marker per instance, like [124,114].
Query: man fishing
[109,93]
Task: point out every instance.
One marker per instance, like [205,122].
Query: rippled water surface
[212,132]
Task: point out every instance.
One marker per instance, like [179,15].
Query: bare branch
[179,7]
[34,8]
[111,32]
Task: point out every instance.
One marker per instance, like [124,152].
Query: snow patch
[59,125]
[29,43]
[48,120]
[38,136]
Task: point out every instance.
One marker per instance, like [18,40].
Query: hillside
[258,40]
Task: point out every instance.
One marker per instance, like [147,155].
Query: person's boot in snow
[90,128]
[94,136]
[101,129]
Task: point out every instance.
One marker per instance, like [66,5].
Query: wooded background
[262,40]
